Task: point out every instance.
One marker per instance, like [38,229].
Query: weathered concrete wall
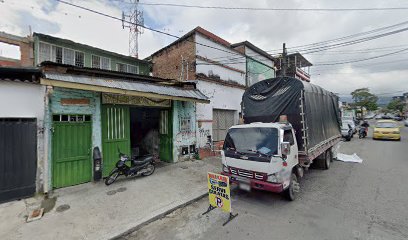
[183,111]
[224,57]
[26,100]
[221,97]
[55,107]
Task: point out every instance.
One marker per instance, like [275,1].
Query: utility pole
[284,64]
[134,20]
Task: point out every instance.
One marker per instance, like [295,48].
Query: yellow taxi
[387,129]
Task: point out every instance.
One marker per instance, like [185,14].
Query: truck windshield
[252,140]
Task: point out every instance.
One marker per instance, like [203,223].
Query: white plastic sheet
[349,158]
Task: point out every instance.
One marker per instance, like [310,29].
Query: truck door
[288,136]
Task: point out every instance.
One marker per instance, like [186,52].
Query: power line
[142,26]
[316,44]
[277,9]
[229,52]
[362,59]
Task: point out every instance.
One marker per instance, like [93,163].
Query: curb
[157,217]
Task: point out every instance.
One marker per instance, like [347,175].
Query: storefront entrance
[135,131]
[148,129]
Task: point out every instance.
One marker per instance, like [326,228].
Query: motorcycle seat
[140,160]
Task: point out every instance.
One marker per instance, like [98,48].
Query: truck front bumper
[257,184]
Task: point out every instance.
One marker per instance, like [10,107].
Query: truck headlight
[225,168]
[395,132]
[275,178]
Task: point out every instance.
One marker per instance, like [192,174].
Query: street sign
[219,194]
[219,191]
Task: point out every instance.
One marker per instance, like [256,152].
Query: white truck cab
[262,156]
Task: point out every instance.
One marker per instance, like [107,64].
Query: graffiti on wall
[203,132]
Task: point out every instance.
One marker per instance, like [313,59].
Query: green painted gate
[115,134]
[166,139]
[71,150]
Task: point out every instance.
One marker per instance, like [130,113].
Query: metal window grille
[164,122]
[105,63]
[121,67]
[69,56]
[185,124]
[116,123]
[44,52]
[96,61]
[79,59]
[132,69]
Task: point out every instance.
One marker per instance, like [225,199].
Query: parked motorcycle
[143,165]
[362,132]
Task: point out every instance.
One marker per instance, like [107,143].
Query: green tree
[396,105]
[363,98]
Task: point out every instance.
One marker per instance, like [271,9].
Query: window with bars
[120,67]
[185,124]
[79,59]
[105,63]
[49,52]
[96,61]
[116,123]
[132,69]
[44,52]
[56,54]
[164,122]
[101,62]
[69,56]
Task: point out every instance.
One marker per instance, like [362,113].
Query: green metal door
[71,150]
[166,139]
[115,135]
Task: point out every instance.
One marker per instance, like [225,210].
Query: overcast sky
[266,29]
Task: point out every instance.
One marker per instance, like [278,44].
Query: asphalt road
[348,201]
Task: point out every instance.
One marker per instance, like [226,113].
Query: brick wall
[167,63]
[26,48]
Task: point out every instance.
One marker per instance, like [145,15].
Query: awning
[126,87]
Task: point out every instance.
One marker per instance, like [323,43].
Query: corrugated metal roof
[129,85]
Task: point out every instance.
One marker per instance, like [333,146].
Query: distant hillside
[382,101]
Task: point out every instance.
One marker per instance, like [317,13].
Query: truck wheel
[327,159]
[323,161]
[290,192]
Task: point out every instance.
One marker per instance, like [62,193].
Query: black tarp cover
[265,101]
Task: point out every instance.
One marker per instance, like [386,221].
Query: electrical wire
[275,9]
[362,59]
[312,50]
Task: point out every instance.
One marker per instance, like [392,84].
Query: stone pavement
[96,211]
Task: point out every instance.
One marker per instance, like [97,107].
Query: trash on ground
[349,158]
[35,215]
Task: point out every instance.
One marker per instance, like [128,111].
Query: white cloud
[266,29]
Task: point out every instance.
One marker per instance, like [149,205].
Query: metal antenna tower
[133,20]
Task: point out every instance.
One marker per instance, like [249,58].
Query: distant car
[352,124]
[406,123]
[386,117]
[369,116]
[397,118]
[346,131]
[378,116]
[387,129]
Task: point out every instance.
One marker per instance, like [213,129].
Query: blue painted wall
[183,110]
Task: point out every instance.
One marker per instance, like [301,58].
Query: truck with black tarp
[289,124]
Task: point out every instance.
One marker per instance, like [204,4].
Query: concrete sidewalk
[97,211]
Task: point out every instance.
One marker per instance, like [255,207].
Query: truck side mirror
[285,148]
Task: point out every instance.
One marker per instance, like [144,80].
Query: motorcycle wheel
[112,177]
[150,170]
